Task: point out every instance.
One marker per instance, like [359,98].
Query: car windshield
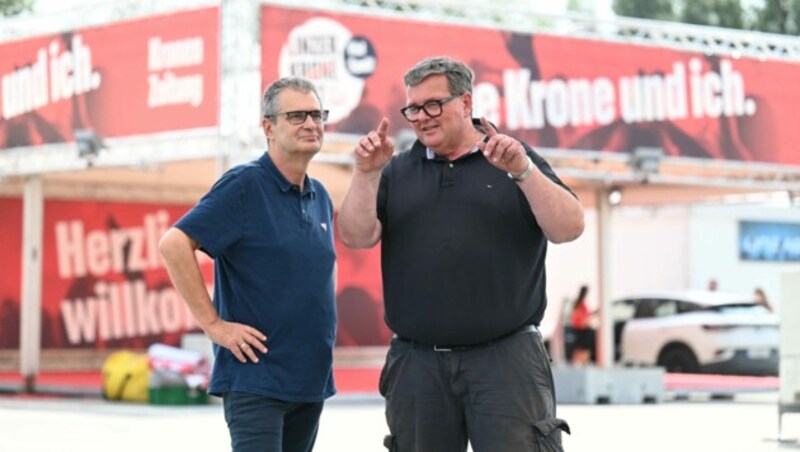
[740,308]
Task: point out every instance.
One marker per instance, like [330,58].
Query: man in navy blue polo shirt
[464,219]
[268,227]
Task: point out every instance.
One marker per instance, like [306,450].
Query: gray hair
[269,102]
[459,75]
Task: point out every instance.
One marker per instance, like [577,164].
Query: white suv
[697,331]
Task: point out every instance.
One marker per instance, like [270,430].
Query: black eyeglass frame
[292,118]
[424,107]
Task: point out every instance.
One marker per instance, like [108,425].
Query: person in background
[761,298]
[464,218]
[580,321]
[712,285]
[269,229]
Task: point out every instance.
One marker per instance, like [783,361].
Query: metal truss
[519,17]
[131,151]
[90,14]
[617,168]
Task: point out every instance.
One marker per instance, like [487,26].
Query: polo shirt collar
[266,162]
[430,155]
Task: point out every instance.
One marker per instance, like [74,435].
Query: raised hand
[375,149]
[502,151]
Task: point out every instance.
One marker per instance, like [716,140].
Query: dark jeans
[499,398]
[263,424]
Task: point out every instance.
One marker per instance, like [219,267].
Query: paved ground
[352,424]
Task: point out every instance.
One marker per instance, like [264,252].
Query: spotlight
[88,143]
[646,160]
[615,196]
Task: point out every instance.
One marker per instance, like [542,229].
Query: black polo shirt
[463,257]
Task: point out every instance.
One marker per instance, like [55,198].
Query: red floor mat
[348,380]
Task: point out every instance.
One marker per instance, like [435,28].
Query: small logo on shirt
[324,226]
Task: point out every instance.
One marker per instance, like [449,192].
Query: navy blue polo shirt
[273,270]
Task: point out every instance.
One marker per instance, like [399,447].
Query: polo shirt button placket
[448,175]
[304,207]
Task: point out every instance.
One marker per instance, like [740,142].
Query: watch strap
[523,175]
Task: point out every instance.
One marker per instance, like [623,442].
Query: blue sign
[773,242]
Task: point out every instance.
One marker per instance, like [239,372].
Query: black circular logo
[359,57]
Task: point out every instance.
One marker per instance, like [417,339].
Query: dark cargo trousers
[499,397]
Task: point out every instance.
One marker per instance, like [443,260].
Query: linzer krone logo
[325,52]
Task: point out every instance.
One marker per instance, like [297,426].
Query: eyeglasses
[432,108]
[298,117]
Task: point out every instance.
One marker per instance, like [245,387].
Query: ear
[266,125]
[467,99]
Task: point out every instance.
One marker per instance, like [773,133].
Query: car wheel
[679,359]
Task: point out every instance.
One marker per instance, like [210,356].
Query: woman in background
[580,321]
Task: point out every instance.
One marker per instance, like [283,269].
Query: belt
[461,348]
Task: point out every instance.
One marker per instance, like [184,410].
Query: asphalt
[352,423]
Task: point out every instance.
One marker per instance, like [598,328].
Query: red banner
[105,287]
[549,91]
[11,275]
[359,297]
[137,77]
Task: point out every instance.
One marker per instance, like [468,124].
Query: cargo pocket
[389,443]
[547,434]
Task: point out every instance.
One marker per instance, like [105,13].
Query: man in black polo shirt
[463,218]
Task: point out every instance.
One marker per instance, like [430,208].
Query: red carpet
[356,380]
[349,380]
[79,379]
[694,382]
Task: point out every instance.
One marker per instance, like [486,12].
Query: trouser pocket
[390,443]
[547,434]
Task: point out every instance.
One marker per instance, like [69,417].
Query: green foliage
[779,16]
[795,19]
[645,9]
[717,13]
[772,16]
[13,7]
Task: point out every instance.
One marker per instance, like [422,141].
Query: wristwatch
[523,175]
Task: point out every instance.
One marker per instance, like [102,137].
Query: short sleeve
[217,221]
[545,168]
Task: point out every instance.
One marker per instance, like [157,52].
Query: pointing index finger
[488,127]
[383,127]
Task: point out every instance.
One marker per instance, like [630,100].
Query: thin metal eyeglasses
[298,117]
[432,108]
